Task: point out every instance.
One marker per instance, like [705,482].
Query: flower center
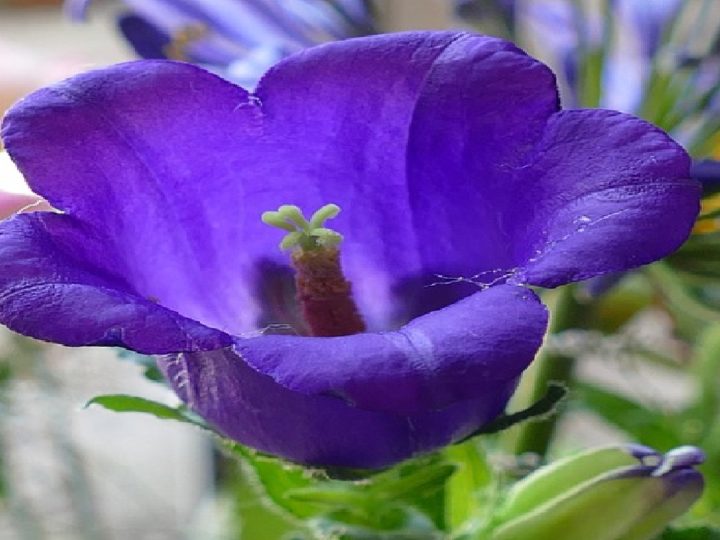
[324,294]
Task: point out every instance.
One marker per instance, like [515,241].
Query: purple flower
[240,39]
[449,156]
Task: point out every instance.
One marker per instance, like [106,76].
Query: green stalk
[566,313]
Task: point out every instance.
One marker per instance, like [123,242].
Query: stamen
[322,290]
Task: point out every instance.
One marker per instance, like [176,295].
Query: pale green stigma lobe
[303,234]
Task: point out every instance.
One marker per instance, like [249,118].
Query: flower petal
[459,352]
[317,430]
[152,166]
[605,192]
[48,292]
[465,393]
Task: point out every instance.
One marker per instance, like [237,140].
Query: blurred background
[68,472]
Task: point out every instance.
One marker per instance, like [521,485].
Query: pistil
[324,294]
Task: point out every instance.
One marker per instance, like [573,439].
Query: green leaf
[691,312]
[653,428]
[706,366]
[276,479]
[126,403]
[396,523]
[467,491]
[147,363]
[384,501]
[695,533]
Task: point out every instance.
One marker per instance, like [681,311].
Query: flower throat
[325,296]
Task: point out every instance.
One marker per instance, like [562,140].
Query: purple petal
[152,166]
[412,135]
[446,356]
[680,458]
[50,292]
[317,430]
[368,400]
[605,192]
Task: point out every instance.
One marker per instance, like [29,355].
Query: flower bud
[611,493]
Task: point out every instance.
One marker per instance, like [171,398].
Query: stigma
[323,293]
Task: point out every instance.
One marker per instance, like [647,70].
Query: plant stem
[567,312]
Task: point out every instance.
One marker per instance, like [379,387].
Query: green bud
[612,493]
[559,477]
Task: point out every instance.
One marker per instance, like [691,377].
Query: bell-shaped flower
[461,183]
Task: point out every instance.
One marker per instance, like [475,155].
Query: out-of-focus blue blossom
[240,39]
[707,171]
[563,32]
[648,19]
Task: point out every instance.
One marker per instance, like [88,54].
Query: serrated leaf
[275,479]
[413,488]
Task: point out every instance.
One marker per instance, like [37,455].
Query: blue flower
[239,39]
[462,183]
[564,31]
